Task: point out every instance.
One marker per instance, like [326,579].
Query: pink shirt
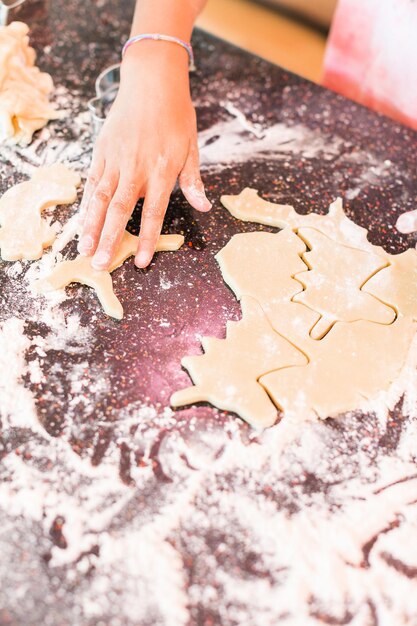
[371,56]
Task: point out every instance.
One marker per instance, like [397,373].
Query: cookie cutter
[106,86]
[5,7]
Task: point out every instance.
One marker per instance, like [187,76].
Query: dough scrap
[227,373]
[356,359]
[24,89]
[332,285]
[79,270]
[23,232]
[354,362]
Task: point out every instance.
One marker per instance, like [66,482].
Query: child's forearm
[149,139]
[169,17]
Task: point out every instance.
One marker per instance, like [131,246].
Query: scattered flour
[226,143]
[255,129]
[17,404]
[231,142]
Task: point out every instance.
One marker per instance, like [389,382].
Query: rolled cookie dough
[351,365]
[79,270]
[23,232]
[248,206]
[262,265]
[396,284]
[332,286]
[355,360]
[227,373]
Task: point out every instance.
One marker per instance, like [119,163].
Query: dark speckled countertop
[114,509]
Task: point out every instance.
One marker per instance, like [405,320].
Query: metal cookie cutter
[5,6]
[107,86]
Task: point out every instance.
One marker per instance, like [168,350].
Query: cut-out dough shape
[262,265]
[397,284]
[23,232]
[79,270]
[24,90]
[289,318]
[248,206]
[333,283]
[354,362]
[227,373]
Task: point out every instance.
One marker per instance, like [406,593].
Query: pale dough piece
[397,284]
[249,207]
[333,283]
[24,90]
[79,270]
[23,232]
[226,374]
[357,359]
[294,322]
[262,265]
[354,362]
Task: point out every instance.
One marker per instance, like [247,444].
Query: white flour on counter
[238,140]
[16,402]
[314,548]
[227,143]
[255,129]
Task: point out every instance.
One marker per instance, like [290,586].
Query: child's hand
[148,141]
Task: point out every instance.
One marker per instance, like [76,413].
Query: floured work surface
[115,508]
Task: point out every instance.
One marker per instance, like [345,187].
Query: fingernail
[100,261]
[202,200]
[85,245]
[142,259]
[407,223]
[207,204]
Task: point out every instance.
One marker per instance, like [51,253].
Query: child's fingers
[118,214]
[93,178]
[154,208]
[407,222]
[190,180]
[96,211]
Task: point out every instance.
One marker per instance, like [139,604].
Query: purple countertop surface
[103,391]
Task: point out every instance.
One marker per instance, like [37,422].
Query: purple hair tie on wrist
[159,37]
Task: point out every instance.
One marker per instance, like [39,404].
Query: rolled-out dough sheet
[355,361]
[351,358]
[23,232]
[262,265]
[79,270]
[248,206]
[397,284]
[227,374]
[332,286]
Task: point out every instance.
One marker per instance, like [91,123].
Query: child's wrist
[157,55]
